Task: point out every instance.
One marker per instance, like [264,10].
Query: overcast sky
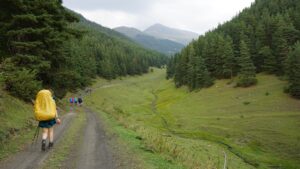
[195,15]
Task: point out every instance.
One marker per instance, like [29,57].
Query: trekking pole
[35,135]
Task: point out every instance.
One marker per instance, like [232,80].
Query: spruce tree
[280,45]
[171,67]
[209,53]
[181,69]
[229,60]
[191,67]
[202,76]
[269,64]
[35,38]
[247,74]
[220,44]
[293,72]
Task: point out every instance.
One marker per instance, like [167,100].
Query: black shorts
[47,124]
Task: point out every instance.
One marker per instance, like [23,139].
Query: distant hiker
[80,100]
[46,113]
[71,100]
[75,100]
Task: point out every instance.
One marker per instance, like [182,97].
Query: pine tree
[219,55]
[229,60]
[191,67]
[202,76]
[181,69]
[280,45]
[293,72]
[171,67]
[20,82]
[209,53]
[269,65]
[247,74]
[36,34]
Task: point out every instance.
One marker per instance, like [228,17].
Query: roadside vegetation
[132,151]
[16,124]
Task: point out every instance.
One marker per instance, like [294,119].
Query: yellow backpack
[44,106]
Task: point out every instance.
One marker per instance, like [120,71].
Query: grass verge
[131,148]
[16,125]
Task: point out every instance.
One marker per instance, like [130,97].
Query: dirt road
[95,153]
[32,156]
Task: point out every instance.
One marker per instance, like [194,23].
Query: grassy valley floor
[254,127]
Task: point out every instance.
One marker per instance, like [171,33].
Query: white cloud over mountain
[194,15]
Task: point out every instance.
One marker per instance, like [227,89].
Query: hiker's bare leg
[44,137]
[45,133]
[51,134]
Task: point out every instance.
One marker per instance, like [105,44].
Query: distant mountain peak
[126,27]
[163,32]
[128,31]
[158,25]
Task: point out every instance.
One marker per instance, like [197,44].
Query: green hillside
[257,127]
[262,38]
[16,124]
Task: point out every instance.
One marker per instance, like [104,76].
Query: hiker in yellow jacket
[45,112]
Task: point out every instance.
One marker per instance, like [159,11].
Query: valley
[257,127]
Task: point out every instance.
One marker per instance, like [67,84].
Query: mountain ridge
[164,32]
[130,31]
[161,45]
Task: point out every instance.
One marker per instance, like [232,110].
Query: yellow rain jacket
[44,106]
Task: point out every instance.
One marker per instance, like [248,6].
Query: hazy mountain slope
[161,45]
[163,32]
[110,33]
[128,31]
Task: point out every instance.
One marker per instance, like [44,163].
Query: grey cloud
[194,15]
[130,6]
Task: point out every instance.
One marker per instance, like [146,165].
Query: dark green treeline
[44,45]
[259,39]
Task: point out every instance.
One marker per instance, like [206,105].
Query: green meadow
[256,127]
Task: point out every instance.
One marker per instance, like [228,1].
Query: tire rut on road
[95,152]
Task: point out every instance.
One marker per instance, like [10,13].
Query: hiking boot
[43,145]
[50,145]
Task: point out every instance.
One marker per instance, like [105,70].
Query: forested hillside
[110,53]
[45,45]
[262,38]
